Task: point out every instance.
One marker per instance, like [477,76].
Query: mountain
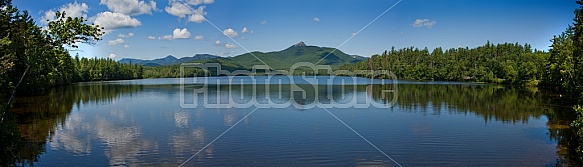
[300,44]
[299,52]
[278,60]
[168,60]
[197,57]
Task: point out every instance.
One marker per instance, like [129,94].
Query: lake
[206,122]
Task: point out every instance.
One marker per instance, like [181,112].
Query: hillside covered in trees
[501,63]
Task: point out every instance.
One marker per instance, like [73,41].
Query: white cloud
[197,18]
[130,7]
[198,15]
[226,45]
[49,16]
[198,2]
[263,22]
[110,21]
[424,23]
[180,34]
[178,9]
[125,36]
[76,9]
[230,32]
[230,46]
[126,46]
[316,19]
[115,41]
[166,37]
[176,34]
[151,37]
[244,30]
[181,10]
[112,56]
[71,9]
[199,37]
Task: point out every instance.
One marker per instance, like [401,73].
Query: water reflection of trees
[39,117]
[493,103]
[490,102]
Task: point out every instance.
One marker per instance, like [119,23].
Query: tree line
[564,71]
[501,63]
[172,71]
[102,69]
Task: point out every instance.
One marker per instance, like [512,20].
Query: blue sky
[152,29]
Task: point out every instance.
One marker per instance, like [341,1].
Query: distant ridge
[279,60]
[168,60]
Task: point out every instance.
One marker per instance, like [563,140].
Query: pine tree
[578,46]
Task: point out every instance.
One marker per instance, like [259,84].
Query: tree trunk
[14,92]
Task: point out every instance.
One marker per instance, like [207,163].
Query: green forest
[564,70]
[501,63]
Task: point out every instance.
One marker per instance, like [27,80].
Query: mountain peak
[170,57]
[300,44]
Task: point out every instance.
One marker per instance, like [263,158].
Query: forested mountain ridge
[168,60]
[279,60]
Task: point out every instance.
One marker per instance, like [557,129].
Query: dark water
[142,123]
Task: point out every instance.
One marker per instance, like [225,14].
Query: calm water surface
[141,123]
